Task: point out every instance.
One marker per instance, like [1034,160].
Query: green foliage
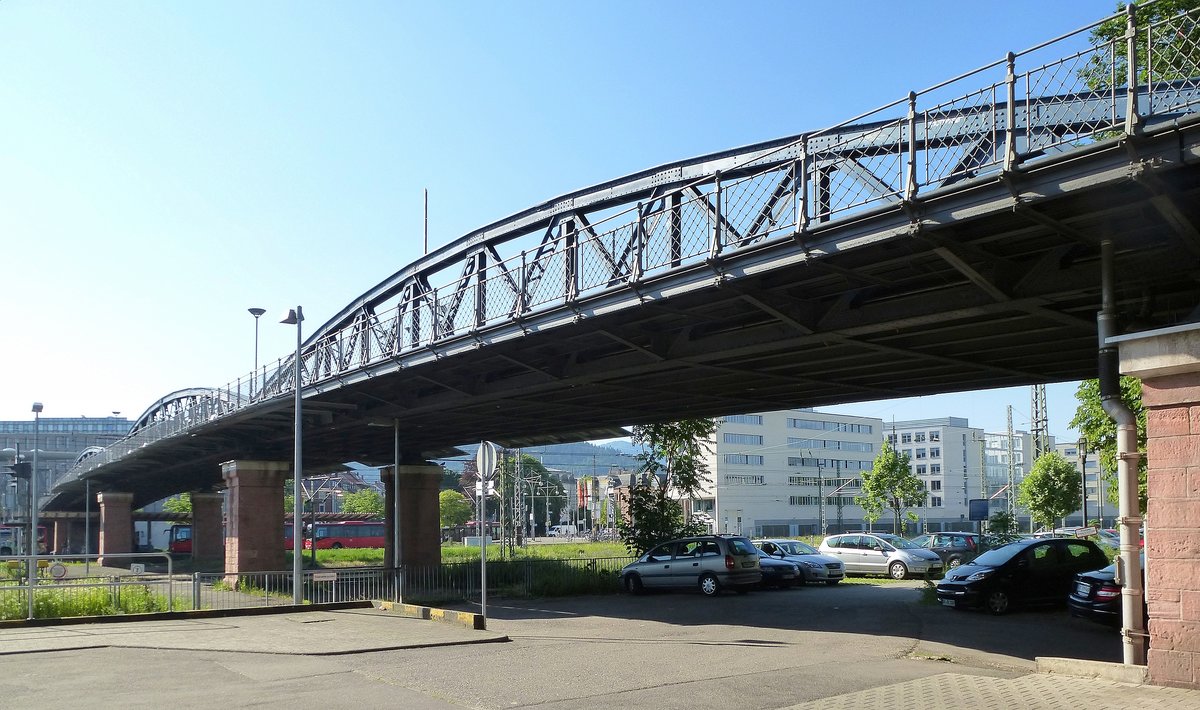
[1002,523]
[180,504]
[891,485]
[85,601]
[454,508]
[1051,490]
[675,465]
[450,480]
[1174,46]
[1101,431]
[366,502]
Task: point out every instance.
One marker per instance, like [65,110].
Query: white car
[881,553]
[815,566]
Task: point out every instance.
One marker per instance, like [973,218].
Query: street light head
[256,312]
[37,407]
[294,316]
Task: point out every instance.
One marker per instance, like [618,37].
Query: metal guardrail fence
[455,581]
[66,586]
[1061,95]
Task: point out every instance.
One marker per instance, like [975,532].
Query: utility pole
[1012,471]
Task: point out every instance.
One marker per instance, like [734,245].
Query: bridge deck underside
[991,284]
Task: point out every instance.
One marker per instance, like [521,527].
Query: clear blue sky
[166,165]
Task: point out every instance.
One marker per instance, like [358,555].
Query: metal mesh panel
[758,207]
[545,278]
[456,310]
[1173,62]
[856,171]
[1065,108]
[676,237]
[607,257]
[500,294]
[960,138]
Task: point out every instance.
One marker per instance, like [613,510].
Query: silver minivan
[708,562]
[881,553]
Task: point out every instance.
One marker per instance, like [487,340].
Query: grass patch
[86,601]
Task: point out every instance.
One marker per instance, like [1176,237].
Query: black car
[955,548]
[1096,596]
[1028,572]
[778,573]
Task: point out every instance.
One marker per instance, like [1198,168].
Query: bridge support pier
[62,536]
[420,521]
[1168,364]
[254,531]
[208,545]
[116,527]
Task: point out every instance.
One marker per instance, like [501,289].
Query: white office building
[788,473]
[1095,488]
[945,455]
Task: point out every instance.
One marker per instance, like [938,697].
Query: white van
[562,531]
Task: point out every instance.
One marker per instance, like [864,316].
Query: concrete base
[254,533]
[1092,669]
[420,523]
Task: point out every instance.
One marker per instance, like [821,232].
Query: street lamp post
[33,509]
[1083,479]
[296,317]
[256,312]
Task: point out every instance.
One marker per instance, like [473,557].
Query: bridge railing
[1095,83]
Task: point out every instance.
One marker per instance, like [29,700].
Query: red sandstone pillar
[1168,363]
[420,520]
[208,540]
[254,531]
[116,527]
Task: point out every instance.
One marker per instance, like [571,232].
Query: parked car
[777,572]
[1096,596]
[881,553]
[1028,572]
[708,562]
[954,548]
[814,566]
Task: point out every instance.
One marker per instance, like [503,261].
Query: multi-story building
[944,454]
[1094,486]
[791,472]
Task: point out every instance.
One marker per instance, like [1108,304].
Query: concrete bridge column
[116,527]
[254,531]
[62,533]
[420,520]
[1168,363]
[208,540]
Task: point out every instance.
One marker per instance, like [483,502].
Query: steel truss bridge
[948,241]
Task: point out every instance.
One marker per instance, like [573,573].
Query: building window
[935,502]
[802,500]
[921,470]
[744,459]
[752,439]
[935,468]
[919,437]
[920,454]
[935,485]
[906,438]
[744,419]
[892,440]
[936,436]
[935,452]
[732,479]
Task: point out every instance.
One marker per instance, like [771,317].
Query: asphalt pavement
[854,645]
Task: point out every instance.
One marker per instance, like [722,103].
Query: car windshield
[921,541]
[741,546]
[1000,555]
[898,542]
[795,547]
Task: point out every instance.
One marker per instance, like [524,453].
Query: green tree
[1100,431]
[1051,489]
[180,504]
[890,484]
[365,502]
[674,466]
[1175,46]
[1002,523]
[454,508]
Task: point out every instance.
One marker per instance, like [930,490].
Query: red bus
[179,541]
[351,533]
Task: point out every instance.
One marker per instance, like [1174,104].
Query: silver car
[707,562]
[881,553]
[816,567]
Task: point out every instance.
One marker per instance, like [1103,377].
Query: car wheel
[832,582]
[954,562]
[633,584]
[336,545]
[997,602]
[709,586]
[897,570]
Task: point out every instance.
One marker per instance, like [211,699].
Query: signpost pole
[485,462]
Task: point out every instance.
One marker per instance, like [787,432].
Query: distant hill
[578,460]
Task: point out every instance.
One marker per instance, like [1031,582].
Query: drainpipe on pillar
[1129,564]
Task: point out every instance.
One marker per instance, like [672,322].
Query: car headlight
[981,574]
[812,565]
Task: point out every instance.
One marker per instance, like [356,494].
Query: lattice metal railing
[1060,95]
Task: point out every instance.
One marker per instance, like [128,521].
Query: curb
[466,619]
[191,614]
[1118,672]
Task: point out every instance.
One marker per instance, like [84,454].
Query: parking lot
[769,649]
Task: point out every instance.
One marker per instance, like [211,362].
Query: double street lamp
[296,317]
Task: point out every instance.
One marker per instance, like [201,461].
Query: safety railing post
[910,159]
[1132,120]
[1010,114]
[635,269]
[714,247]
